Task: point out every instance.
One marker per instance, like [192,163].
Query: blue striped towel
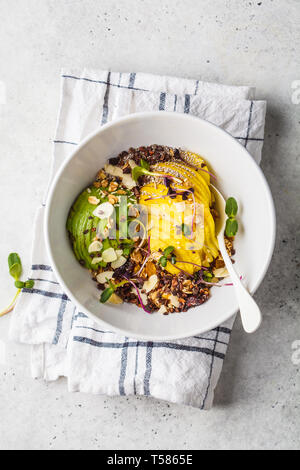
[67,343]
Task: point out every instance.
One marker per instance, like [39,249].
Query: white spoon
[250,313]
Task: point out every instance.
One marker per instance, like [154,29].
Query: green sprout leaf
[127,250]
[207,276]
[144,164]
[114,244]
[173,259]
[15,270]
[231,227]
[169,250]
[106,294]
[231,207]
[20,284]
[163,261]
[102,264]
[15,266]
[29,284]
[139,171]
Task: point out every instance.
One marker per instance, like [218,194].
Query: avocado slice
[81,226]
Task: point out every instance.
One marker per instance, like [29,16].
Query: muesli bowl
[237,175]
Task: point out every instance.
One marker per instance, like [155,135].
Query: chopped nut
[93,200]
[104,183]
[187,287]
[95,246]
[128,181]
[132,163]
[119,262]
[136,256]
[220,272]
[100,175]
[162,309]
[109,255]
[104,210]
[150,268]
[121,191]
[97,184]
[229,246]
[219,263]
[136,268]
[103,277]
[174,301]
[113,186]
[113,170]
[187,283]
[113,199]
[115,299]
[144,296]
[154,297]
[151,283]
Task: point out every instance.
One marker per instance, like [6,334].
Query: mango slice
[167,221]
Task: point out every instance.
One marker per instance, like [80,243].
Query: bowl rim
[132,117]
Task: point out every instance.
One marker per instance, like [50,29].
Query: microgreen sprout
[207,276]
[163,261]
[108,292]
[167,256]
[15,270]
[139,171]
[231,209]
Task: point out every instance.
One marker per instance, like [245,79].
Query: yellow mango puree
[170,219]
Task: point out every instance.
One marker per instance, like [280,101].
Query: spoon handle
[249,310]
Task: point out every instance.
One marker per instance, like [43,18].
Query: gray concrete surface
[236,42]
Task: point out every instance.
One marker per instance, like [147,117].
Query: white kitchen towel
[65,342]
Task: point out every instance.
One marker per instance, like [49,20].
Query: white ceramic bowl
[238,175]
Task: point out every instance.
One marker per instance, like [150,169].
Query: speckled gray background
[236,42]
